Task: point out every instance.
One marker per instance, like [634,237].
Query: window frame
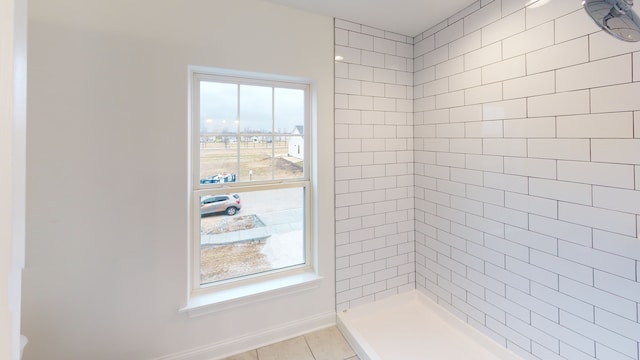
[196,190]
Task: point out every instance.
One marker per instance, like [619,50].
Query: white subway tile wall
[375,158]
[523,217]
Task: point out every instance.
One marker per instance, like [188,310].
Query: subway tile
[574,25]
[532,204]
[424,76]
[510,109]
[541,14]
[536,306]
[346,86]
[511,249]
[466,146]
[504,70]
[614,221]
[636,124]
[561,190]
[623,151]
[617,199]
[469,113]
[485,195]
[424,104]
[436,56]
[436,87]
[485,163]
[371,89]
[360,41]
[627,246]
[392,62]
[604,352]
[466,176]
[509,7]
[597,173]
[424,46]
[618,324]
[349,55]
[564,334]
[404,50]
[568,103]
[562,149]
[533,85]
[615,98]
[512,183]
[500,301]
[505,147]
[494,257]
[465,80]
[450,67]
[511,335]
[450,33]
[638,178]
[348,25]
[542,168]
[436,116]
[601,46]
[622,287]
[370,58]
[562,301]
[449,100]
[483,17]
[483,56]
[600,334]
[483,94]
[384,76]
[543,127]
[506,216]
[558,56]
[360,72]
[560,229]
[467,205]
[608,125]
[597,259]
[611,71]
[384,46]
[570,352]
[465,44]
[528,41]
[503,28]
[532,240]
[562,267]
[465,12]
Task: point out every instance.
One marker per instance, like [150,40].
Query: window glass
[264,233]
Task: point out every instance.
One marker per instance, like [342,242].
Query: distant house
[296,143]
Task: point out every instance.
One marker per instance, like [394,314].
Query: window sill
[203,304]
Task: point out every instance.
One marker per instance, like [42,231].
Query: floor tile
[293,349]
[329,344]
[249,355]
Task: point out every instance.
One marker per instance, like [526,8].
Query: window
[250,181]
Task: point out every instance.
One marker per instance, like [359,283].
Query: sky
[219,108]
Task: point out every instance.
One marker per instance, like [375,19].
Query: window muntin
[249,140]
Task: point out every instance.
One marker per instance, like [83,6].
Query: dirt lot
[229,261]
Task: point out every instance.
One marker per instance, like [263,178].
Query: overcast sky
[219,108]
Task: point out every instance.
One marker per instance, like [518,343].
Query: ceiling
[406,17]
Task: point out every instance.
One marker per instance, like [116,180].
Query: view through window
[250,188]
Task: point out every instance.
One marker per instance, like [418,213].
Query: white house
[296,143]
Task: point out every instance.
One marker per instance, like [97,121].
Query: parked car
[222,178]
[229,204]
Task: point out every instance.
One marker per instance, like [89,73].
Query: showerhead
[615,17]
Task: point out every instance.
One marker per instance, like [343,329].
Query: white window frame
[278,278]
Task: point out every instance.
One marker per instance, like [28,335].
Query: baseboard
[222,349]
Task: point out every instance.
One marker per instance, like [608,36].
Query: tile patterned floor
[326,344]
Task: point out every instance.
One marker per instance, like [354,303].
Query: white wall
[527,140]
[12,167]
[374,164]
[107,170]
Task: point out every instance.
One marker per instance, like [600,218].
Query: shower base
[410,326]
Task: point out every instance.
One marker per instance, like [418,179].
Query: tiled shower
[493,163]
